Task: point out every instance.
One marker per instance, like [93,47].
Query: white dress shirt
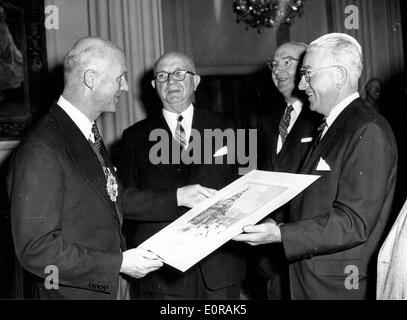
[336,111]
[297,108]
[81,121]
[171,119]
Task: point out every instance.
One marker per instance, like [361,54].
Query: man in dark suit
[337,224]
[158,192]
[63,188]
[285,137]
[286,134]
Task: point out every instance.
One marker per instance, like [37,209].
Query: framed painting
[216,220]
[22,64]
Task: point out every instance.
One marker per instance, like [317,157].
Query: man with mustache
[285,137]
[157,194]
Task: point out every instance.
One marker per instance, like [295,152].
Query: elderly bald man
[158,193]
[336,225]
[63,189]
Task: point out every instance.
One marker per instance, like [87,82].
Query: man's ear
[89,78]
[342,76]
[153,83]
[197,80]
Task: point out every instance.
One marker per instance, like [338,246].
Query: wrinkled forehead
[289,50]
[171,63]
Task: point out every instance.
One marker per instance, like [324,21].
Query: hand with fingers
[264,233]
[138,262]
[189,196]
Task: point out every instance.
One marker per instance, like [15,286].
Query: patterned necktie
[285,123]
[180,135]
[103,157]
[98,144]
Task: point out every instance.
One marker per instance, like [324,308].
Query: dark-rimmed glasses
[178,75]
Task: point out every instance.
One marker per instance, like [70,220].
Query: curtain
[136,27]
[379,34]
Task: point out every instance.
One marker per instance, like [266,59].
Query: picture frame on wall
[23,64]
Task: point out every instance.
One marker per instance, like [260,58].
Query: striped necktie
[318,138]
[180,135]
[321,129]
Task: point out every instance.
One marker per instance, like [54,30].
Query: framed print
[216,220]
[22,64]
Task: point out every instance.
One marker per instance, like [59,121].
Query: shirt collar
[82,122]
[187,115]
[336,111]
[297,106]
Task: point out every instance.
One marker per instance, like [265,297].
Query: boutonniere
[111,184]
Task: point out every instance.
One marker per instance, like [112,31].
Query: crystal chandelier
[267,13]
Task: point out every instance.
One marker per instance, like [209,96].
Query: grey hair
[345,50]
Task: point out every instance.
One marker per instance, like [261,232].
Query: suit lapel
[272,137]
[326,141]
[294,134]
[273,144]
[82,155]
[199,122]
[330,137]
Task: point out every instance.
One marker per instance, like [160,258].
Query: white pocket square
[323,166]
[305,140]
[221,152]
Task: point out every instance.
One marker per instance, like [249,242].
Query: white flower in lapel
[111,184]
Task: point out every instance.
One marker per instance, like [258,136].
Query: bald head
[188,62]
[176,94]
[95,76]
[295,48]
[87,53]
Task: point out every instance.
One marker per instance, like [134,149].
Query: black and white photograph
[135,134]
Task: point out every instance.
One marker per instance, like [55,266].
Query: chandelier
[267,13]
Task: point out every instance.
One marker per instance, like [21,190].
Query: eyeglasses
[285,63]
[178,75]
[308,73]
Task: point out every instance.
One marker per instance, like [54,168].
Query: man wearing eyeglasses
[157,194]
[285,137]
[337,224]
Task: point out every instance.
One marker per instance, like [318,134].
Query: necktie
[99,146]
[321,129]
[180,135]
[318,138]
[285,123]
[108,170]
